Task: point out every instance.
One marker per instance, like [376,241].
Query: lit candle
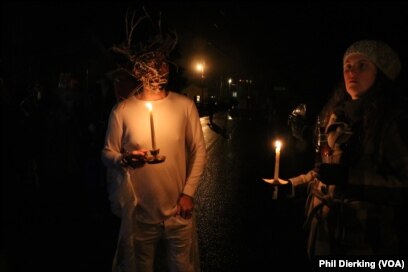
[278,145]
[150,107]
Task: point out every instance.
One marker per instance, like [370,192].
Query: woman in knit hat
[356,191]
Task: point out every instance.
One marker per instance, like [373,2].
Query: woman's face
[359,75]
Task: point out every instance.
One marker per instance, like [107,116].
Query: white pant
[179,237]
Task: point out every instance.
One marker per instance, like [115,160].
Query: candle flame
[149,106]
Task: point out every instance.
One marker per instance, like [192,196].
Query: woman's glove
[304,178]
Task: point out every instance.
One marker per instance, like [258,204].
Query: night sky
[296,43]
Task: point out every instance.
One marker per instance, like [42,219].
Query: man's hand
[185,206]
[134,159]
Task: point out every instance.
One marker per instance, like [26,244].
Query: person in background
[154,200]
[357,190]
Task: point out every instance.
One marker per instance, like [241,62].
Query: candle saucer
[155,158]
[275,182]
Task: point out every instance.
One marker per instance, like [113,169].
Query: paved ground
[240,227]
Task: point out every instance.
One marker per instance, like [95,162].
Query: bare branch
[158,46]
[133,27]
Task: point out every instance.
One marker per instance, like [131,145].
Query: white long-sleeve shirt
[179,136]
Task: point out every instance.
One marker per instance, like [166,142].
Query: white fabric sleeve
[196,151]
[111,152]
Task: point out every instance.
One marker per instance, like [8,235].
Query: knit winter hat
[380,53]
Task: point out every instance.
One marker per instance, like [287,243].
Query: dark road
[241,228]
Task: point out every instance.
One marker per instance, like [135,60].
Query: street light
[201,68]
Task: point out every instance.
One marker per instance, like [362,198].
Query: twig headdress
[149,59]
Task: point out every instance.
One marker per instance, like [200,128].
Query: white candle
[278,145]
[150,107]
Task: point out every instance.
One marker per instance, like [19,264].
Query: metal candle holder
[155,157]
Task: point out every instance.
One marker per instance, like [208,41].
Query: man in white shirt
[154,200]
